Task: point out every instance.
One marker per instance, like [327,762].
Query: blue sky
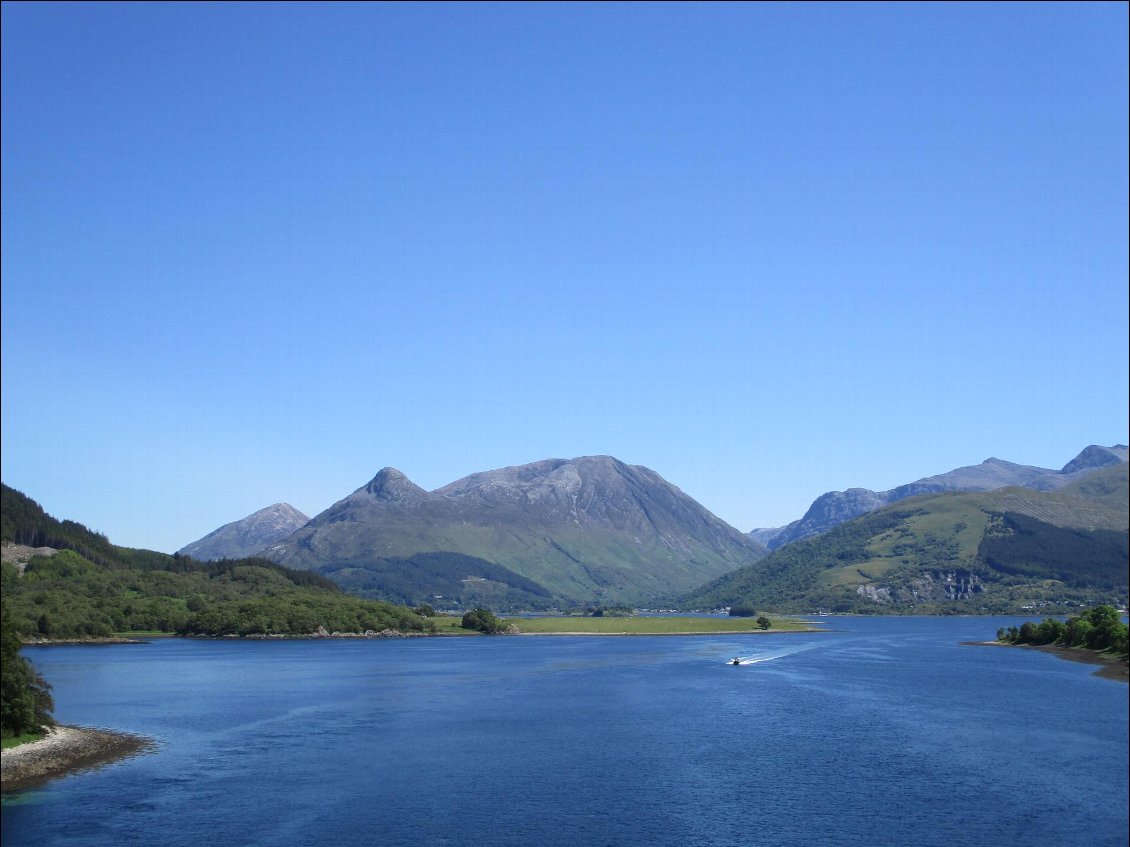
[254,253]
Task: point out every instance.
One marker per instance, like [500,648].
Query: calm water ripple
[884,732]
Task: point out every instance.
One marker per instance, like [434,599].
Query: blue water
[883,732]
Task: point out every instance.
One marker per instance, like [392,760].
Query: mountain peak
[284,509]
[391,485]
[1097,456]
[247,536]
[585,529]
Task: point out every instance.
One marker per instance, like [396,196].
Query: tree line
[25,699]
[1099,628]
[66,596]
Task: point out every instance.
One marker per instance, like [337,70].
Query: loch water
[877,732]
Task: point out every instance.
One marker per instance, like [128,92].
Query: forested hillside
[93,588]
[1004,551]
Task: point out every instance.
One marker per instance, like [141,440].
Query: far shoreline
[644,625]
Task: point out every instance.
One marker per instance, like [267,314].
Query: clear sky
[254,253]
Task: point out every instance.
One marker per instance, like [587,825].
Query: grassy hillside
[92,588]
[1109,486]
[1000,551]
[589,565]
[447,580]
[579,565]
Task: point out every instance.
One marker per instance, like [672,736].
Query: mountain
[835,507]
[247,536]
[1002,551]
[584,530]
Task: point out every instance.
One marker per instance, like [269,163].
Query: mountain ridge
[834,507]
[1007,550]
[588,529]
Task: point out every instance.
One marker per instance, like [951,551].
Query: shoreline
[91,642]
[63,751]
[1111,668]
[808,627]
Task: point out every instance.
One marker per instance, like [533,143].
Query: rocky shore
[91,640]
[65,750]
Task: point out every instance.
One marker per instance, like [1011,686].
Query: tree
[1100,615]
[1078,632]
[483,620]
[25,699]
[1050,631]
[742,610]
[763,622]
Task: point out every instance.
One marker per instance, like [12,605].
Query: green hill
[445,580]
[1001,551]
[88,587]
[1110,486]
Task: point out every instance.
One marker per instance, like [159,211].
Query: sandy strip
[65,750]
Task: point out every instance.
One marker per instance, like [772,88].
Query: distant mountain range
[594,530]
[836,507]
[1009,550]
[247,536]
[585,530]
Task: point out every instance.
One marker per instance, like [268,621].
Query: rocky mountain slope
[585,530]
[1008,550]
[835,507]
[247,536]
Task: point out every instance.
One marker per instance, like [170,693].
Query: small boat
[736,661]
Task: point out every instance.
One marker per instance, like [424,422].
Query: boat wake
[751,661]
[768,657]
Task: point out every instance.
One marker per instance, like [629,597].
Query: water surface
[883,732]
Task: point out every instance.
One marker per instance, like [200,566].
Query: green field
[636,625]
[17,740]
